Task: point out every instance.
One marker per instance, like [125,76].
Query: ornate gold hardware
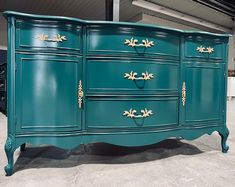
[56,38]
[132,76]
[134,43]
[80,94]
[132,113]
[202,49]
[183,93]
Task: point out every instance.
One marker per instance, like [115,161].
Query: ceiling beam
[180,16]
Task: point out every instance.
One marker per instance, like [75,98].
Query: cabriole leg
[224,137]
[22,147]
[9,149]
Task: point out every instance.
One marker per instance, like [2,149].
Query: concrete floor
[168,163]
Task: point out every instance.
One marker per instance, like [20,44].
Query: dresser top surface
[88,22]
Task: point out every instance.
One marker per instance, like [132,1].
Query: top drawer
[111,39]
[48,35]
[203,47]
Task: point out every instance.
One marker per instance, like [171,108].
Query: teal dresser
[74,82]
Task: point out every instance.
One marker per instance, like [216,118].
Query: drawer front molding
[131,76]
[50,35]
[208,49]
[131,112]
[120,41]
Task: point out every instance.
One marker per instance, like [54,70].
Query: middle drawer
[128,76]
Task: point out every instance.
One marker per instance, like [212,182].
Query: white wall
[231,53]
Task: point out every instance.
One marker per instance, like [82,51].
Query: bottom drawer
[131,112]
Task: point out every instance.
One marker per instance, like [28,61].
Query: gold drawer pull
[183,93]
[202,49]
[1,85]
[80,94]
[56,38]
[2,72]
[145,76]
[132,113]
[134,43]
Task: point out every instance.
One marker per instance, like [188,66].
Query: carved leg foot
[224,137]
[9,149]
[22,147]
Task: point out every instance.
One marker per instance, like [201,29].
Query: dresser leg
[224,137]
[9,149]
[22,147]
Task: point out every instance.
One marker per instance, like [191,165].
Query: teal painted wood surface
[193,42]
[31,34]
[46,93]
[204,85]
[109,113]
[111,39]
[115,76]
[44,72]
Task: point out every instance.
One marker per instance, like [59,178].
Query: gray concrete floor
[168,163]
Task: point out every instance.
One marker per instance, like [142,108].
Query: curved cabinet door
[203,93]
[46,93]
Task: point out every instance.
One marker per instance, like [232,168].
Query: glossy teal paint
[204,85]
[108,112]
[108,76]
[111,39]
[27,33]
[194,41]
[47,101]
[43,81]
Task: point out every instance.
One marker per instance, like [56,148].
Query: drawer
[202,47]
[130,76]
[48,35]
[131,41]
[131,112]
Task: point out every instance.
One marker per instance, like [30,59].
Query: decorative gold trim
[56,38]
[145,76]
[202,49]
[80,94]
[132,113]
[134,43]
[183,93]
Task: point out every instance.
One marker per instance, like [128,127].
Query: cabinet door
[46,93]
[203,93]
